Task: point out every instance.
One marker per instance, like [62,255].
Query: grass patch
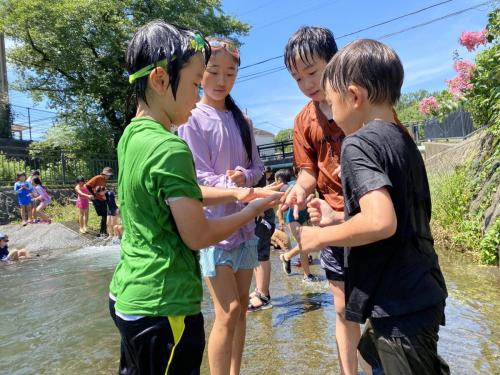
[68,212]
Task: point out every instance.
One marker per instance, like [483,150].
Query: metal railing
[56,167]
[276,151]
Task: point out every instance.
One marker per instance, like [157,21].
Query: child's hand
[320,212]
[307,237]
[238,177]
[295,198]
[275,186]
[248,195]
[259,205]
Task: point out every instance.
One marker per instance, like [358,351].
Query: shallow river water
[54,320]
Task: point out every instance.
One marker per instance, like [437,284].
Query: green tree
[72,51]
[407,107]
[284,135]
[6,118]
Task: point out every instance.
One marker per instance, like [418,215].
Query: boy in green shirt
[157,283]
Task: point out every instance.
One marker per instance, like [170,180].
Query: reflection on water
[54,320]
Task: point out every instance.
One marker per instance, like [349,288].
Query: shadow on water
[298,304]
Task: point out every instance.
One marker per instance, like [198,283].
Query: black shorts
[112,211]
[332,261]
[403,355]
[150,348]
[264,244]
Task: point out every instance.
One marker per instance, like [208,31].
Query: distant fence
[56,168]
[457,124]
[279,154]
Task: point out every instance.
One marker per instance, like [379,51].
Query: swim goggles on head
[217,44]
[197,43]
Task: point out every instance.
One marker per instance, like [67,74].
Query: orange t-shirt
[317,144]
[94,182]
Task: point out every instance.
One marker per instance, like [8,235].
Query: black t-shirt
[400,275]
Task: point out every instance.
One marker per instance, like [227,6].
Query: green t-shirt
[158,275]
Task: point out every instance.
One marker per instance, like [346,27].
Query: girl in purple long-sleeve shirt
[225,154]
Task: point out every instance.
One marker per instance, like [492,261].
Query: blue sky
[273,100]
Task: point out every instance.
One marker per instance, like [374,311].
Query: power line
[299,13]
[271,71]
[33,109]
[363,29]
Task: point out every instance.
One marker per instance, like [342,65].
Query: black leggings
[122,370]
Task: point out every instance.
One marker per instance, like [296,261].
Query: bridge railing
[276,151]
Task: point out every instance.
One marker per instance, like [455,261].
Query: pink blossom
[472,39]
[428,105]
[461,82]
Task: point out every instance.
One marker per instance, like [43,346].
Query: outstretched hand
[294,198]
[249,194]
[259,205]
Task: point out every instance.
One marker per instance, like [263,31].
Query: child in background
[156,290]
[113,213]
[23,191]
[225,154]
[33,174]
[6,255]
[82,203]
[43,198]
[393,276]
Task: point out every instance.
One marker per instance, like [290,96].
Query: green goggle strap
[197,43]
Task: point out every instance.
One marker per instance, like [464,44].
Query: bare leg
[243,281]
[81,218]
[85,219]
[40,213]
[224,292]
[30,212]
[347,333]
[23,210]
[263,276]
[304,261]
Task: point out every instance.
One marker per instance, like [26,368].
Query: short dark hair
[370,64]
[37,181]
[284,175]
[35,173]
[20,173]
[151,43]
[80,179]
[307,42]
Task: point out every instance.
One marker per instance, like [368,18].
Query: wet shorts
[163,345]
[332,261]
[242,257]
[403,355]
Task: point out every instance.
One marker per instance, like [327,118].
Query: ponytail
[243,125]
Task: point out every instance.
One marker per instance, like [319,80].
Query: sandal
[265,302]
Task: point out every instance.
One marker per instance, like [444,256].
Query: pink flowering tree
[462,82]
[472,39]
[429,106]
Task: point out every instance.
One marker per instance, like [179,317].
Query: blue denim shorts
[242,257]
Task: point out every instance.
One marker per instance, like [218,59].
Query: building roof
[265,133]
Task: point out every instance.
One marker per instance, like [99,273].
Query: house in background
[262,137]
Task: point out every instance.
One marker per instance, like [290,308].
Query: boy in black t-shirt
[393,276]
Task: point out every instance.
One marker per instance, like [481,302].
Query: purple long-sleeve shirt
[214,138]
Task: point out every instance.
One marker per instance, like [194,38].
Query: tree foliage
[72,51]
[284,135]
[407,107]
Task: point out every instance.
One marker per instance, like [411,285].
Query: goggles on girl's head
[217,44]
[197,43]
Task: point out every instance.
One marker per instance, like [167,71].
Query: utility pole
[4,89]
